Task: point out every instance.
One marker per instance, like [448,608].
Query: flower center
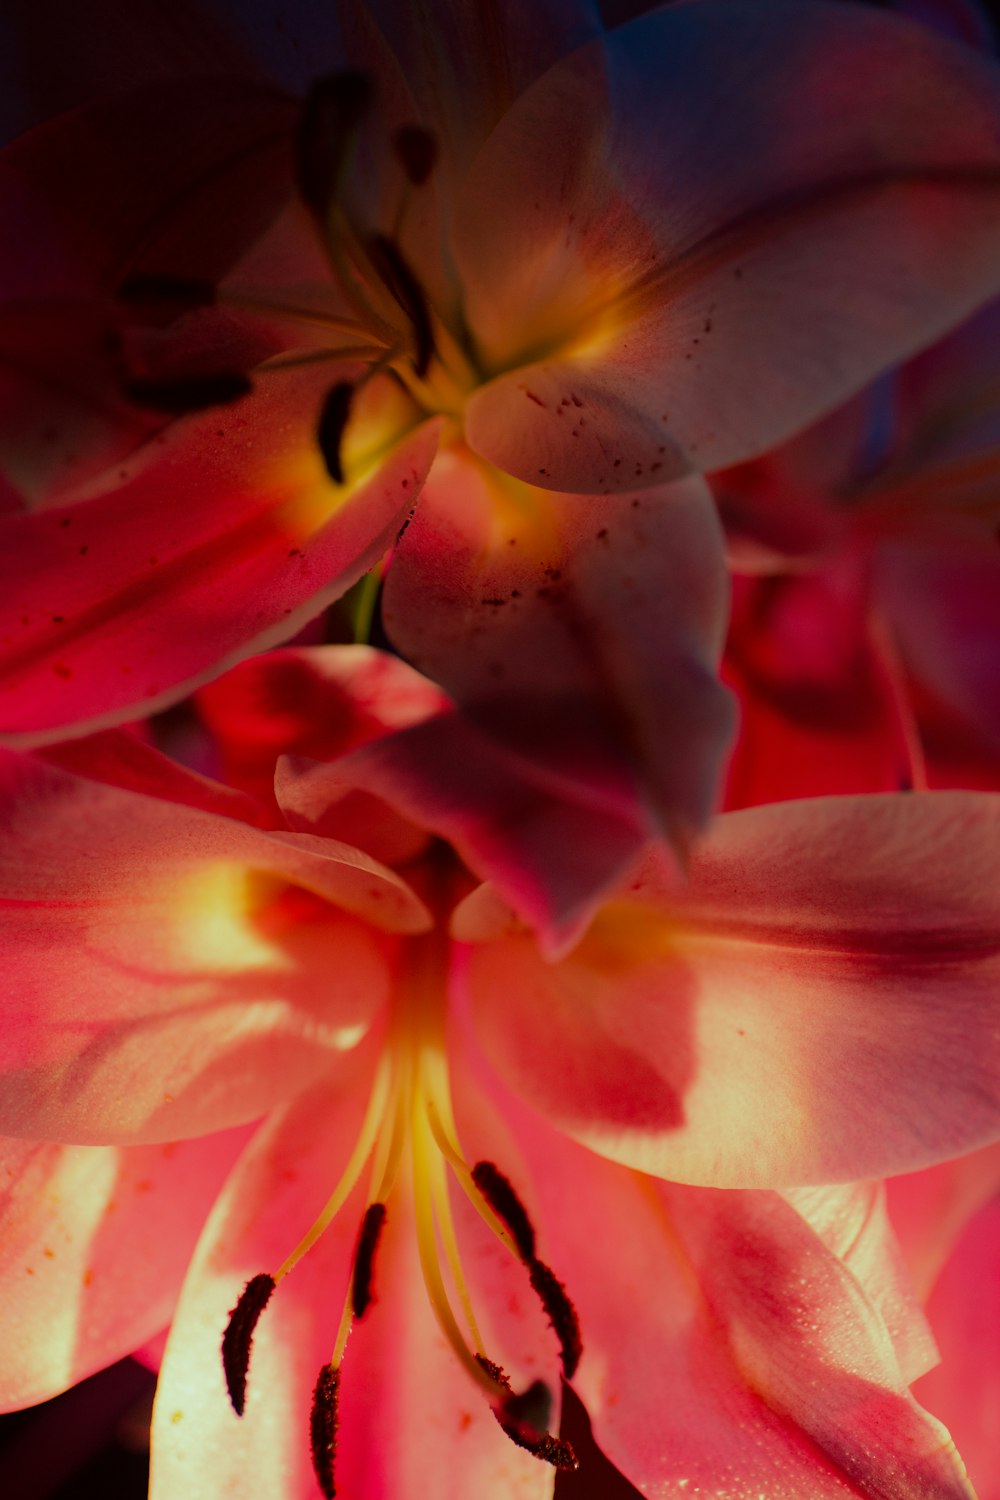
[409,1115]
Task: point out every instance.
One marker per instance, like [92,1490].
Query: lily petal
[818,1005]
[531,625]
[554,854]
[760,1362]
[134,925]
[225,539]
[96,1242]
[713,263]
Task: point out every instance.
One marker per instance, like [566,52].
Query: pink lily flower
[866,627]
[539,301]
[183,961]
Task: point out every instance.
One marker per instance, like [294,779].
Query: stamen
[364,1260]
[237,1341]
[323,1428]
[446,1145]
[190,393]
[427,1250]
[560,1312]
[333,419]
[503,1200]
[446,1228]
[500,1195]
[370,1127]
[516,1414]
[334,108]
[417,151]
[392,268]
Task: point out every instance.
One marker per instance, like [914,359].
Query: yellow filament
[465,1179]
[295,358]
[427,1248]
[446,1228]
[338,234]
[389,1151]
[289,311]
[370,1127]
[344,1331]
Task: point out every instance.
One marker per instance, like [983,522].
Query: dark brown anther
[237,1341]
[417,151]
[333,111]
[190,393]
[561,1314]
[518,1416]
[332,425]
[177,294]
[323,1424]
[364,1259]
[402,284]
[524,1419]
[505,1203]
[530,1410]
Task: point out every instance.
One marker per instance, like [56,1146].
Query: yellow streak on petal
[219,910]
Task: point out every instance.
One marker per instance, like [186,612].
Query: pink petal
[139,930]
[65,413]
[316,701]
[96,1240]
[411,1422]
[226,539]
[728,1348]
[816,712]
[740,215]
[553,850]
[120,758]
[819,1005]
[944,606]
[524,604]
[964,1310]
[931,1209]
[854,1224]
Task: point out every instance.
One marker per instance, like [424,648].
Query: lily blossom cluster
[595,982]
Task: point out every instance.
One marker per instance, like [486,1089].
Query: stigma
[409,1133]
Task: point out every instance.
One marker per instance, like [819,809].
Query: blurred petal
[816,713]
[964,1310]
[524,604]
[818,1005]
[944,607]
[139,931]
[714,262]
[99,47]
[931,1209]
[319,701]
[177,177]
[96,1241]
